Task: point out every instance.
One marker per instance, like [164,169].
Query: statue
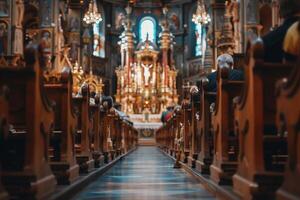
[147,72]
[18,33]
[19,12]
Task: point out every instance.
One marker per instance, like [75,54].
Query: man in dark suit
[234,74]
[273,41]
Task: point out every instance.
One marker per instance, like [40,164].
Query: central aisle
[145,174]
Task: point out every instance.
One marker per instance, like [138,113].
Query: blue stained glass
[99,40]
[198,32]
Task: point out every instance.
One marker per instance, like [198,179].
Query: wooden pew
[195,138]
[103,132]
[94,115]
[168,135]
[259,175]
[125,137]
[3,132]
[225,141]
[135,137]
[118,138]
[106,106]
[112,132]
[187,119]
[172,134]
[288,98]
[63,163]
[83,143]
[26,172]
[158,137]
[178,116]
[205,156]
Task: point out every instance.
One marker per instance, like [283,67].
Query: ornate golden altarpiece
[147,76]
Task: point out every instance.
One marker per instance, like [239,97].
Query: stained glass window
[99,40]
[198,47]
[147,27]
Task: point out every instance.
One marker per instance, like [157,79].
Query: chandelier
[201,16]
[92,15]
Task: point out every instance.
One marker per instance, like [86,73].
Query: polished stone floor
[145,174]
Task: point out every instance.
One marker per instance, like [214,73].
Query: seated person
[167,114]
[273,41]
[107,102]
[234,74]
[291,45]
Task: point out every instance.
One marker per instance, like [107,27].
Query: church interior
[149,99]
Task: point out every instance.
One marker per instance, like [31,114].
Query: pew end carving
[195,132]
[288,96]
[225,141]
[83,143]
[205,156]
[257,175]
[26,171]
[63,163]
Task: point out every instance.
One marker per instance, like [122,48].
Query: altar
[146,78]
[146,126]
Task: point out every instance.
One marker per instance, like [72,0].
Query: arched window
[99,36]
[200,34]
[147,27]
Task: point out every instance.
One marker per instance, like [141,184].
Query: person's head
[225,60]
[289,8]
[291,45]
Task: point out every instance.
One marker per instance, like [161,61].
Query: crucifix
[147,72]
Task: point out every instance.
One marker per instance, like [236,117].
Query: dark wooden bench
[95,127]
[195,132]
[288,112]
[26,172]
[83,144]
[225,141]
[178,121]
[187,121]
[106,106]
[259,175]
[4,130]
[111,137]
[63,163]
[173,129]
[205,156]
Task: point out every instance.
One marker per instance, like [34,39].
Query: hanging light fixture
[201,16]
[92,15]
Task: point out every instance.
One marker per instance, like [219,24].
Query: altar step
[147,142]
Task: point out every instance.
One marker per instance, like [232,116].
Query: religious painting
[3,38]
[118,17]
[4,8]
[174,18]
